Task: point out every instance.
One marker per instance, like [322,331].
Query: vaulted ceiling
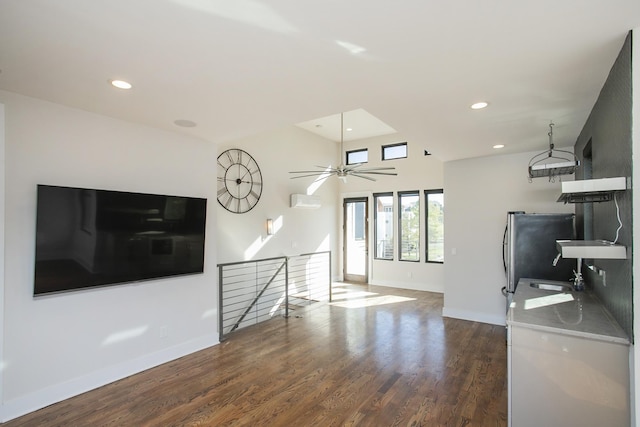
[242,67]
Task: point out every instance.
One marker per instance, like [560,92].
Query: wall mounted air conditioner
[304,201]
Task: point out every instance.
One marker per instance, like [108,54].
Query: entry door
[356,240]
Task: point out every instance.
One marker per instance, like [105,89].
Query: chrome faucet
[578,281]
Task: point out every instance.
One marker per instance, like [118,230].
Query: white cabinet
[558,379]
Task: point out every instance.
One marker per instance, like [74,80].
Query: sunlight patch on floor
[371,301]
[353,295]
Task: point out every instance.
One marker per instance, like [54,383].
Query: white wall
[635,137]
[297,231]
[478,194]
[61,345]
[416,172]
[2,208]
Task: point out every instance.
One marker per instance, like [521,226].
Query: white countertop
[572,313]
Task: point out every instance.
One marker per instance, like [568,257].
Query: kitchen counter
[578,314]
[567,360]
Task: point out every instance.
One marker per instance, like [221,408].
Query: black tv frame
[87,238]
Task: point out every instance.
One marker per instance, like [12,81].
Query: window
[357,156]
[409,225]
[383,219]
[434,201]
[394,151]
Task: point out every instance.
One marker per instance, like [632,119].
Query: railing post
[220,306]
[330,287]
[286,288]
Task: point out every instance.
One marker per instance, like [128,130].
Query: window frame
[426,224]
[397,144]
[359,150]
[375,226]
[402,194]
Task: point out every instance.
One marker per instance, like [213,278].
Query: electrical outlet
[603,274]
[164,331]
[600,272]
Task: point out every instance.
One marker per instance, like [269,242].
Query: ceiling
[348,126]
[243,67]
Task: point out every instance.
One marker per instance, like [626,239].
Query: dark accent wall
[609,129]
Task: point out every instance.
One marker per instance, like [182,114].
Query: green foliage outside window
[409,226]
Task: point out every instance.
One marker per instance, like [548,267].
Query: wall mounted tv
[87,238]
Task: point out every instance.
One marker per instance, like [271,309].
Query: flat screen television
[87,237]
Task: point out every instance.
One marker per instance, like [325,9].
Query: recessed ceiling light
[479,105]
[120,84]
[349,129]
[185,123]
[498,146]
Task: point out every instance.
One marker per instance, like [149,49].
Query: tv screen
[87,238]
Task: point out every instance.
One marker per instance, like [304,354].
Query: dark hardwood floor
[376,356]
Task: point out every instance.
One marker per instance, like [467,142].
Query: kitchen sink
[557,287]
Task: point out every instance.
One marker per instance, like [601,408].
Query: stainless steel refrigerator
[529,248]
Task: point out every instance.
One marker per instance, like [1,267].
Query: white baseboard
[473,316]
[32,402]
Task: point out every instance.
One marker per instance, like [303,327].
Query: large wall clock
[239,181]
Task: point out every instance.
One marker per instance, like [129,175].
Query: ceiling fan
[343,171]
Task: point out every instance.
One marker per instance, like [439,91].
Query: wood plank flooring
[376,356]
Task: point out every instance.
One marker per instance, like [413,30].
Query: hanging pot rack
[552,162]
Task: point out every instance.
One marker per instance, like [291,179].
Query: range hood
[591,190]
[591,249]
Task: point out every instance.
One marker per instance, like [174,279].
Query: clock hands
[237,180]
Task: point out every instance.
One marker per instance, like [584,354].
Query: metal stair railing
[254,291]
[257,298]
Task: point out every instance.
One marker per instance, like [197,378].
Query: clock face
[239,181]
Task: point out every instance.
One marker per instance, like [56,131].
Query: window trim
[397,144]
[375,225]
[359,150]
[400,194]
[426,225]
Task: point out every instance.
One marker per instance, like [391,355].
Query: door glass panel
[355,240]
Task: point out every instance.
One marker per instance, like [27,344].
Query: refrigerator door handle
[505,292]
[504,248]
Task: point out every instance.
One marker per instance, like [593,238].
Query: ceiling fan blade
[362,176]
[378,173]
[318,174]
[376,169]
